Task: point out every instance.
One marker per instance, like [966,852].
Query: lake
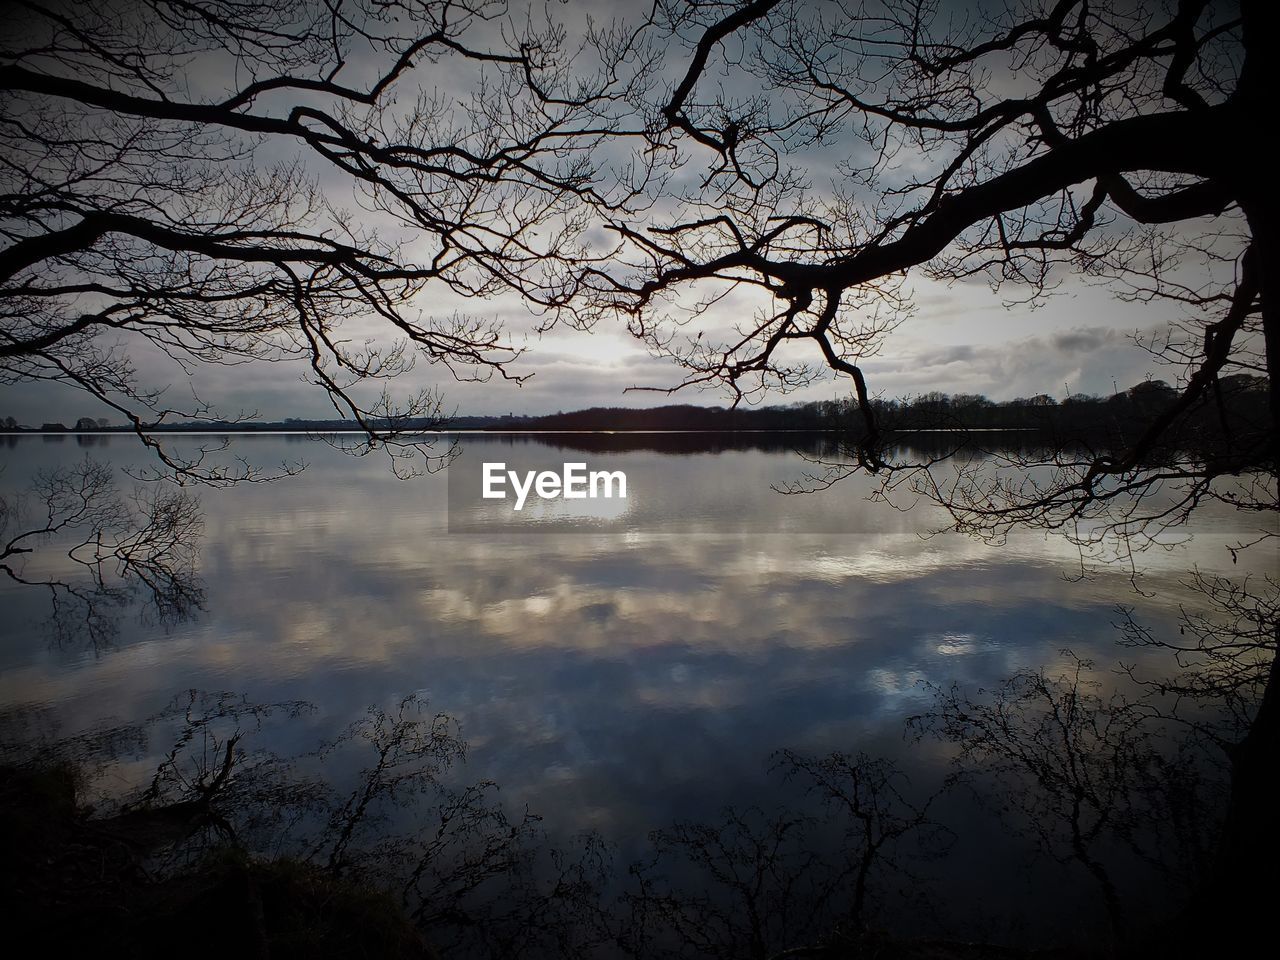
[621,666]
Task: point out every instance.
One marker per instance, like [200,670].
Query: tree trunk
[1237,903]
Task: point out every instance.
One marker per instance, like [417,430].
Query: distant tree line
[1238,404]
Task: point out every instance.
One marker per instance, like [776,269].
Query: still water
[619,672]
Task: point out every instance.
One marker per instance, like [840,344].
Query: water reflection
[90,550]
[375,840]
[623,681]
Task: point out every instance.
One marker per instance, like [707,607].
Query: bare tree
[1013,143]
[1115,140]
[222,183]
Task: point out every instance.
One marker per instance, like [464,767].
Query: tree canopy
[1009,143]
[266,181]
[226,183]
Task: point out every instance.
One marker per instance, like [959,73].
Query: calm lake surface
[616,672]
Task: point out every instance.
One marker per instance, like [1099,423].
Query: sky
[962,338]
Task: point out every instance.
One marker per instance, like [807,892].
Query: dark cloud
[1084,340]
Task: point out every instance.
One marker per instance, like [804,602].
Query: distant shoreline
[477,431]
[1240,403]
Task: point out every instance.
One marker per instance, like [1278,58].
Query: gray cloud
[1084,340]
[1091,359]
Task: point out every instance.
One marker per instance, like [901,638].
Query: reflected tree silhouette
[96,550]
[792,883]
[473,879]
[1224,690]
[379,807]
[383,808]
[1090,778]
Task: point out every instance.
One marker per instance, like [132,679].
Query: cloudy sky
[961,339]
